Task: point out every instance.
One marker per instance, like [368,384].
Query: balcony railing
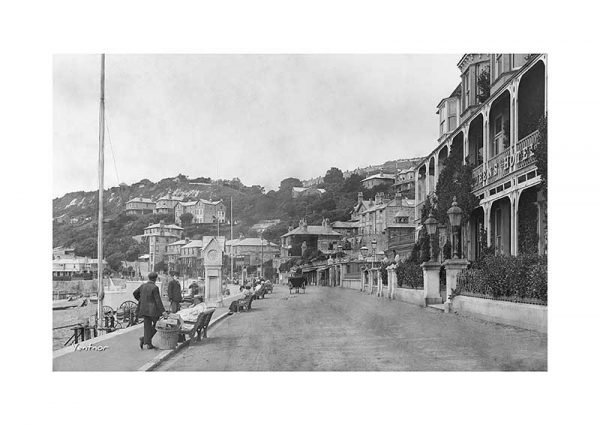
[511,159]
[524,149]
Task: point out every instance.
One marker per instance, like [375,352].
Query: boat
[70,302]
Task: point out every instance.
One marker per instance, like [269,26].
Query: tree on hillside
[286,184]
[333,177]
[186,218]
[352,184]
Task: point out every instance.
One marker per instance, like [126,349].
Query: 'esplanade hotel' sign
[508,161]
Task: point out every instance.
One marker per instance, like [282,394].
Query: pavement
[336,329]
[122,352]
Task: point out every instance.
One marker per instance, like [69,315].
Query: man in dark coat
[174,293]
[150,307]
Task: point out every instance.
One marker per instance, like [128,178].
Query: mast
[100,193]
[231,238]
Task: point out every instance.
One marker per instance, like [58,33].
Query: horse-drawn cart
[297,282]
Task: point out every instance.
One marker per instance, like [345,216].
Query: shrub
[409,275]
[519,278]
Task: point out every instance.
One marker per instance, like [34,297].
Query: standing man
[174,293]
[150,307]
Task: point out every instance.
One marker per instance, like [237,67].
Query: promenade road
[335,329]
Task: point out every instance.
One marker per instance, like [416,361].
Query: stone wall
[411,296]
[528,316]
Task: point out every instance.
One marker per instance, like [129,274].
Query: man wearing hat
[174,293]
[150,307]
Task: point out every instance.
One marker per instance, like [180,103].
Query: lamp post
[374,247]
[455,216]
[261,254]
[339,249]
[431,224]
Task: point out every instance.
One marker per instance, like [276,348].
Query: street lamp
[374,246]
[431,224]
[455,216]
[339,249]
[364,251]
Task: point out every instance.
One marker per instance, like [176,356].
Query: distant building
[249,251]
[389,222]
[298,192]
[166,204]
[75,266]
[322,238]
[190,258]
[140,206]
[159,236]
[60,253]
[173,254]
[378,179]
[203,211]
[405,183]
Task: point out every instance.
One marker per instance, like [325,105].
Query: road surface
[335,329]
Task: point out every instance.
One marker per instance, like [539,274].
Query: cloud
[261,118]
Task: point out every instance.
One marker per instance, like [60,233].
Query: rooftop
[345,224]
[380,176]
[195,243]
[313,230]
[146,200]
[250,242]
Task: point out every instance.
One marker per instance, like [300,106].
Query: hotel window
[499,64]
[451,115]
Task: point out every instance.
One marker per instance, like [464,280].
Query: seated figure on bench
[246,292]
[191,313]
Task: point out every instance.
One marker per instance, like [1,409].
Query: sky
[261,118]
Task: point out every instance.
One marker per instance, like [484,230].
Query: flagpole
[100,196]
[231,238]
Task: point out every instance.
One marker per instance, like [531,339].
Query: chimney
[290,228]
[303,224]
[398,196]
[325,223]
[378,198]
[360,197]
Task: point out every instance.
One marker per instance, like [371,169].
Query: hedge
[410,275]
[523,278]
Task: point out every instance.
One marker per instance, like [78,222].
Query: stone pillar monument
[213,262]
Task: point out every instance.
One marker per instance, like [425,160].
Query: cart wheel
[129,312]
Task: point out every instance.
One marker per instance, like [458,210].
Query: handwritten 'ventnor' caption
[91,347]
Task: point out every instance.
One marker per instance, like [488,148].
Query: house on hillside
[405,183]
[298,192]
[203,211]
[140,206]
[166,204]
[378,179]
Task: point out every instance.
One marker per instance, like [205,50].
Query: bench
[245,303]
[260,293]
[195,329]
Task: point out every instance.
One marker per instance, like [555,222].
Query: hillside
[250,205]
[387,167]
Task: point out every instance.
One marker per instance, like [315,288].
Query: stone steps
[439,307]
